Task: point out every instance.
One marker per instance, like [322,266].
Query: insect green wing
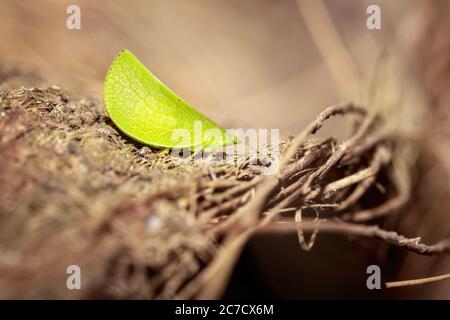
[146,110]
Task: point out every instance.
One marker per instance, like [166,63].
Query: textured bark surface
[67,173]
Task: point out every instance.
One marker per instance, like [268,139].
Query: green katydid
[146,110]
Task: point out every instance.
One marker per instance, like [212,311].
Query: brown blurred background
[252,63]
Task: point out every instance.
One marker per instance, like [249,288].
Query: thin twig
[307,246]
[415,282]
[366,231]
